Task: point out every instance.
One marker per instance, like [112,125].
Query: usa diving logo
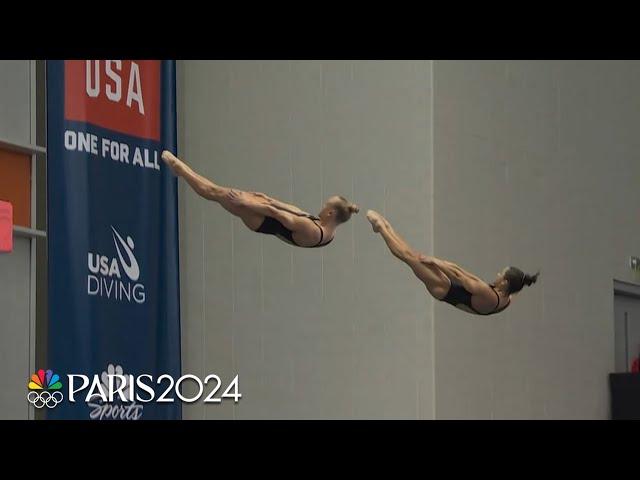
[116,277]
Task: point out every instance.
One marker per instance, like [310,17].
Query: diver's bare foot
[173,162]
[375,219]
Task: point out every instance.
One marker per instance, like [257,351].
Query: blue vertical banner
[112,231]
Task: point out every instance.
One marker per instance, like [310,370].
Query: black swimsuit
[457,295]
[271,226]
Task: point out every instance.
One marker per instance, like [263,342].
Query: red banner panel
[119,95]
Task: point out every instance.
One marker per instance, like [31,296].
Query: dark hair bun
[530,279]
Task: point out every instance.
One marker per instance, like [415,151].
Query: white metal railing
[21,147]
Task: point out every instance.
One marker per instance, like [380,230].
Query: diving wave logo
[116,276]
[130,265]
[39,387]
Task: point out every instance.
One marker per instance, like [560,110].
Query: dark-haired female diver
[448,282]
[267,215]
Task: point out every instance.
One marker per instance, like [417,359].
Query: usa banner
[112,231]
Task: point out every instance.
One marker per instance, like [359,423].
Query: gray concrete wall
[14,330]
[15,268]
[536,165]
[338,332]
[15,97]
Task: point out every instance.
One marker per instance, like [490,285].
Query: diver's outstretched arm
[472,283]
[293,222]
[287,207]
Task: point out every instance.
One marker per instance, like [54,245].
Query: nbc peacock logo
[44,389]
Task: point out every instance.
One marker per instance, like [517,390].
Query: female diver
[449,283]
[267,215]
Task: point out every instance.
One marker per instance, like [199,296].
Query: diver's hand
[237,198]
[425,259]
[263,196]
